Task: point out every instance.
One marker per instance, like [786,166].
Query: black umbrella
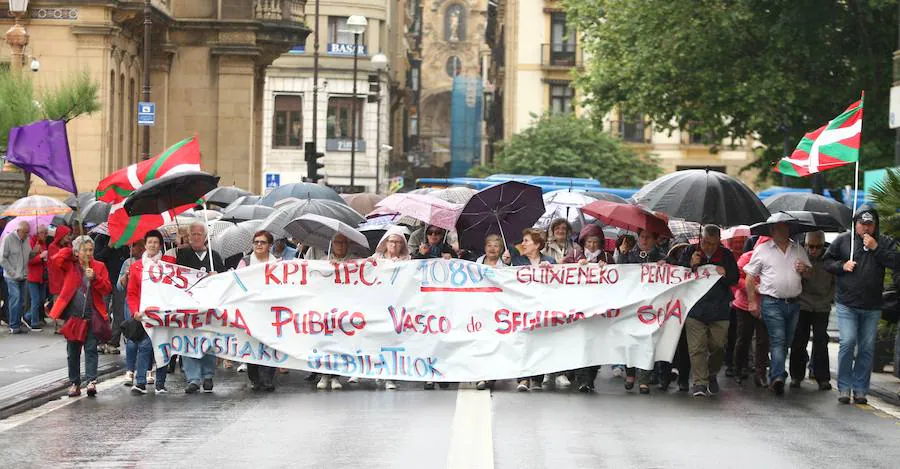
[821,220]
[505,209]
[94,213]
[246,212]
[301,191]
[703,196]
[170,192]
[797,221]
[805,201]
[223,196]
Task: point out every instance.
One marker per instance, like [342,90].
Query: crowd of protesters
[775,294]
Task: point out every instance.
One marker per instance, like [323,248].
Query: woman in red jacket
[84,284]
[61,239]
[35,282]
[153,243]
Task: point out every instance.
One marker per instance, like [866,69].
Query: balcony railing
[560,54]
[279,10]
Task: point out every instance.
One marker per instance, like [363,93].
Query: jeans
[706,343]
[36,292]
[799,357]
[145,362]
[197,369]
[90,359]
[131,348]
[781,321]
[16,299]
[858,329]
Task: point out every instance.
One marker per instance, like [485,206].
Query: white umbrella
[566,204]
[318,231]
[276,221]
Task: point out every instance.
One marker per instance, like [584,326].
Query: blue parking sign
[273,180]
[146,113]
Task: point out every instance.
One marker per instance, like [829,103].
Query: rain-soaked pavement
[360,426]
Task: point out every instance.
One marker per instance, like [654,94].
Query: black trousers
[818,322]
[587,375]
[732,338]
[261,375]
[682,360]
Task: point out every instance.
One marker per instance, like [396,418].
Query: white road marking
[471,438]
[56,404]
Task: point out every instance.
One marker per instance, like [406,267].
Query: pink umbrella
[33,223]
[739,231]
[426,208]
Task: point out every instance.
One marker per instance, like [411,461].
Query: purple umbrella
[505,209]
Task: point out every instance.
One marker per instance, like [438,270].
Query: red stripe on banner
[461,290]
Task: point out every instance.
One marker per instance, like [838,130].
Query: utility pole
[145,89]
[315,106]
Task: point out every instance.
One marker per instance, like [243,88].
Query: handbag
[75,329]
[133,330]
[100,327]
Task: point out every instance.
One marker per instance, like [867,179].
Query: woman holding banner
[338,252]
[533,241]
[85,283]
[644,252]
[392,248]
[492,257]
[153,244]
[261,376]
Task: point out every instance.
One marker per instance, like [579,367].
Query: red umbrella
[627,216]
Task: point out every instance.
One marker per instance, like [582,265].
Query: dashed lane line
[471,438]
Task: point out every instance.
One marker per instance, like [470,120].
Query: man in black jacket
[860,281]
[707,322]
[196,256]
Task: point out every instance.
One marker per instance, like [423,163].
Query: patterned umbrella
[685,229]
[35,205]
[456,195]
[362,203]
[300,190]
[237,239]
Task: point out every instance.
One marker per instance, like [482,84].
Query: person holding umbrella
[559,246]
[778,265]
[858,259]
[260,376]
[707,322]
[533,242]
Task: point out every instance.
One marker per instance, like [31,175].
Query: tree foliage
[568,146]
[886,196]
[19,104]
[733,68]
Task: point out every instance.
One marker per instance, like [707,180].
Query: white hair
[197,223]
[815,235]
[79,241]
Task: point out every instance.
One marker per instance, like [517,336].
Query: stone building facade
[207,75]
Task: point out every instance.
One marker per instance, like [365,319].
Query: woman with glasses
[392,248]
[435,245]
[261,376]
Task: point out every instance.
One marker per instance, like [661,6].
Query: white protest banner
[427,320]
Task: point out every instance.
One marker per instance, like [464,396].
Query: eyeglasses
[259,242]
[436,233]
[815,246]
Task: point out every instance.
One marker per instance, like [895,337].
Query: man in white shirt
[776,268]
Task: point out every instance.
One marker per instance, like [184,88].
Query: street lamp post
[17,36]
[379,64]
[145,87]
[357,25]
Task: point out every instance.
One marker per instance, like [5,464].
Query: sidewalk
[33,369]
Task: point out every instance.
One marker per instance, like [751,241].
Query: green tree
[886,196]
[19,104]
[568,146]
[732,68]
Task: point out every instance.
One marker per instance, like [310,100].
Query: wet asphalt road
[411,428]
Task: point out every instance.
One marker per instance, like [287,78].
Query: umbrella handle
[208,239]
[502,236]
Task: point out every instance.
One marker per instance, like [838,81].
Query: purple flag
[42,148]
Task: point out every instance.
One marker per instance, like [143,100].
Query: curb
[54,390]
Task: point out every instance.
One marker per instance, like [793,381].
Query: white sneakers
[389,385]
[151,377]
[353,380]
[323,383]
[242,368]
[562,381]
[129,378]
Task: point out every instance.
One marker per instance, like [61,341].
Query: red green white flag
[115,188]
[830,146]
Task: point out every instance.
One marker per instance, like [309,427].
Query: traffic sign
[146,113]
[273,180]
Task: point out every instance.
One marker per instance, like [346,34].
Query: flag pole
[855,198]
[209,247]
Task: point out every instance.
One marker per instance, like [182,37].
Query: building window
[562,41]
[340,112]
[454,66]
[631,127]
[287,122]
[340,39]
[561,95]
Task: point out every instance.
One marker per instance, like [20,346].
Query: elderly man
[14,259]
[858,259]
[196,256]
[707,322]
[815,306]
[777,264]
